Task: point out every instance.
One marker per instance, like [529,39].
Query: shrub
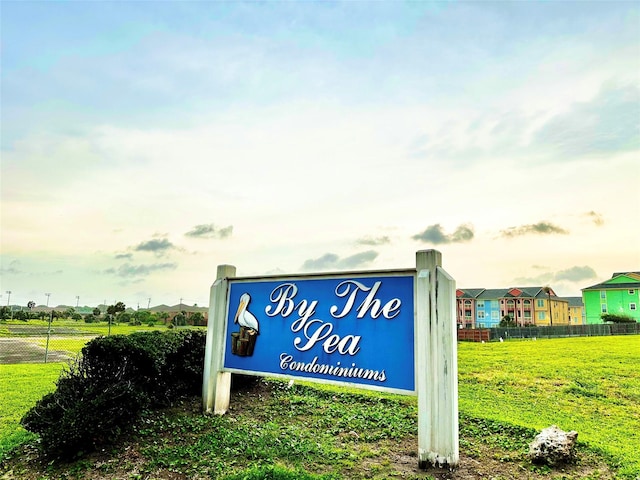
[184,366]
[610,317]
[114,379]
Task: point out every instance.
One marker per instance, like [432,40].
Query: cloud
[157,246]
[596,218]
[573,274]
[576,274]
[331,261]
[540,228]
[131,271]
[123,256]
[358,260]
[12,269]
[435,235]
[209,230]
[608,123]
[325,262]
[368,240]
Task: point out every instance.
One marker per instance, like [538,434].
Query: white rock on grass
[553,446]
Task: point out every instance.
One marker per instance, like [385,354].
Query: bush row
[111,382]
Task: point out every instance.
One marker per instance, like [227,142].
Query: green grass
[97,328]
[21,386]
[587,384]
[323,431]
[507,392]
[72,345]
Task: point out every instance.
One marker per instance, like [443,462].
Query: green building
[617,296]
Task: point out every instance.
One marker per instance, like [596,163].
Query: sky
[145,143]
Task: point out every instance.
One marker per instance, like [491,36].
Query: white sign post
[436,362]
[216,384]
[434,333]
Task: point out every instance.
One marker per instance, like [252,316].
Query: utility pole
[9,298]
[48,295]
[148,303]
[77,300]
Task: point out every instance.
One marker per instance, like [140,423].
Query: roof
[495,293]
[614,286]
[491,293]
[635,275]
[574,301]
[468,292]
[607,285]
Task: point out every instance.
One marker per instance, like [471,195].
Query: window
[603,308]
[527,303]
[632,292]
[603,294]
[527,314]
[495,315]
[481,315]
[541,315]
[480,303]
[632,306]
[540,302]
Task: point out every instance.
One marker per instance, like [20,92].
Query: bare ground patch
[27,350]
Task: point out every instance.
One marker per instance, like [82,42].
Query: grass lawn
[507,392]
[587,384]
[97,328]
[21,386]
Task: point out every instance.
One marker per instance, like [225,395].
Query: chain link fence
[41,343]
[559,331]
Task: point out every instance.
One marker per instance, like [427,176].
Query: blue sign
[356,330]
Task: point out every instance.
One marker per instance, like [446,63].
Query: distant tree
[31,304]
[180,319]
[90,318]
[96,312]
[197,318]
[142,316]
[68,313]
[115,309]
[20,315]
[163,316]
[76,316]
[5,313]
[609,317]
[42,315]
[547,290]
[507,322]
[123,317]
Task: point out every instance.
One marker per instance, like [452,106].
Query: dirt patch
[129,463]
[22,350]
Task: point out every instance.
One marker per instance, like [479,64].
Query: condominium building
[485,308]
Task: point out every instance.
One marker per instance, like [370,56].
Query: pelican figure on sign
[243,316]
